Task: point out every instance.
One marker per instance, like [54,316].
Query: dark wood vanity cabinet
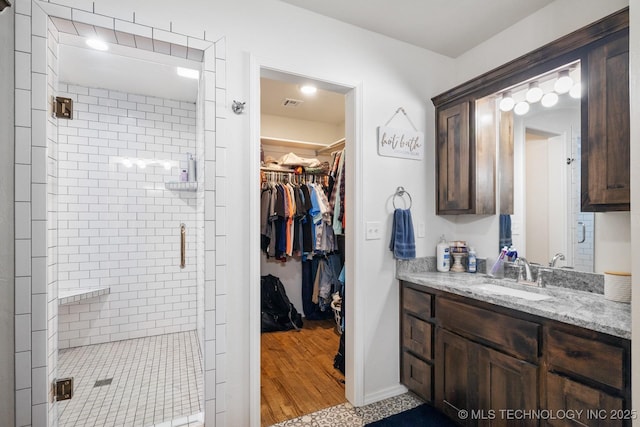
[606,151]
[416,369]
[462,354]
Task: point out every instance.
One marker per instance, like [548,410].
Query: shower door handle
[183,256]
[584,232]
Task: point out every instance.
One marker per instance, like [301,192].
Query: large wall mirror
[538,126]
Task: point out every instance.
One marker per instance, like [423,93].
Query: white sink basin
[517,293]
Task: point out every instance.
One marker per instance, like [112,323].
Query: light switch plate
[421,230]
[373,230]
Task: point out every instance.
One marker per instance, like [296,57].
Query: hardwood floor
[297,373]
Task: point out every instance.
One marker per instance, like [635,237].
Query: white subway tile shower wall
[31,131]
[118,225]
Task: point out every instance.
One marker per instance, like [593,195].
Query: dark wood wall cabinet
[606,150]
[461,354]
[465,147]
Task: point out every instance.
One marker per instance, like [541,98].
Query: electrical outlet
[373,230]
[421,230]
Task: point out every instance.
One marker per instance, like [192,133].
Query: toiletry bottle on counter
[191,167]
[442,255]
[472,266]
[183,175]
[498,266]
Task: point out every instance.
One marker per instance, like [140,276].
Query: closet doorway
[302,232]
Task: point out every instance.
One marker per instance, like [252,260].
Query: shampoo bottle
[442,255]
[191,167]
[472,265]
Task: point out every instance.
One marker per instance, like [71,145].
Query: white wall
[6,215]
[118,225]
[613,242]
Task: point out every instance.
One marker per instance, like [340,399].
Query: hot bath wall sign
[404,143]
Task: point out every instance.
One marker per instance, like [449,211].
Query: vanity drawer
[511,335]
[417,375]
[417,336]
[586,357]
[416,302]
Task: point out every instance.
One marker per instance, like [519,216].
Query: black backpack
[278,314]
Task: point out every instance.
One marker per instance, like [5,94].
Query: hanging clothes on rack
[298,218]
[295,217]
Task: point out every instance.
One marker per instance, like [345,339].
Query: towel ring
[399,193]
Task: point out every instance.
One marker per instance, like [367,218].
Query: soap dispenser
[442,255]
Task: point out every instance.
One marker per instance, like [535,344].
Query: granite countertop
[585,309]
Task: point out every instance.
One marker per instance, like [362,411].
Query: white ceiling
[125,69]
[323,106]
[449,27]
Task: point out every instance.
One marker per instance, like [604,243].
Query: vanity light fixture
[564,82]
[189,73]
[308,89]
[97,44]
[521,108]
[549,100]
[507,103]
[534,94]
[576,91]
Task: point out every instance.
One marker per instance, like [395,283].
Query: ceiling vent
[291,103]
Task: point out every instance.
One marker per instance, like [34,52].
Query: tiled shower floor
[155,381]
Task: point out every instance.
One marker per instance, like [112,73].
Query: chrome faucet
[556,257]
[522,262]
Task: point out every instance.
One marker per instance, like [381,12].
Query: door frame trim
[354,317]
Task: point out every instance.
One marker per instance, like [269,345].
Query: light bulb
[549,100]
[308,89]
[564,82]
[507,102]
[97,44]
[576,91]
[189,73]
[521,108]
[534,94]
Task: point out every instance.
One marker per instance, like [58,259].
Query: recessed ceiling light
[188,73]
[308,89]
[97,44]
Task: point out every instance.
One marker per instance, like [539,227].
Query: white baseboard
[377,396]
